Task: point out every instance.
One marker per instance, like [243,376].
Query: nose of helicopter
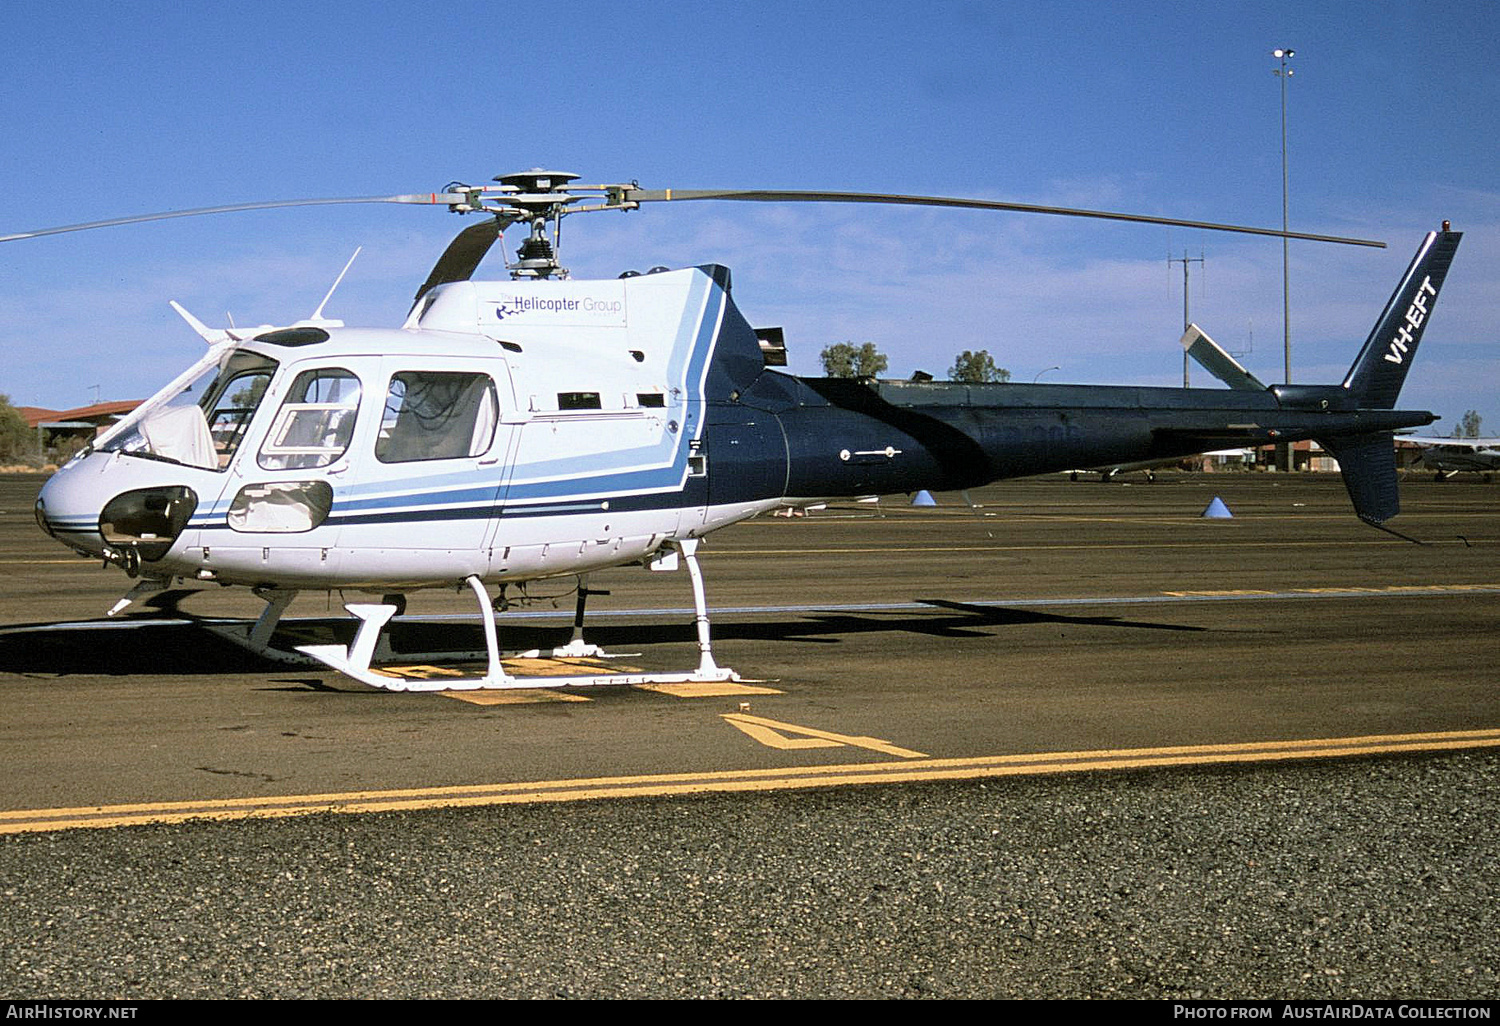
[123,510]
[70,502]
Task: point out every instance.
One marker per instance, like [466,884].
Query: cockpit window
[232,411]
[201,424]
[315,423]
[435,415]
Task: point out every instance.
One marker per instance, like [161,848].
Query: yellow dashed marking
[520,669]
[416,672]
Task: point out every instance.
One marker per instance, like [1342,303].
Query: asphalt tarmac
[1079,741]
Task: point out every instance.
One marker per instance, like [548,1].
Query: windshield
[203,421]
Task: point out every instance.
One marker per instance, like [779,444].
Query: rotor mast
[542,196]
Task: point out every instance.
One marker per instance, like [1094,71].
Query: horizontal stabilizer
[1212,358]
[1368,463]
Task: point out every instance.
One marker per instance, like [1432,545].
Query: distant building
[84,422]
[1307,455]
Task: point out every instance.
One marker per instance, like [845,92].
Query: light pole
[1284,54]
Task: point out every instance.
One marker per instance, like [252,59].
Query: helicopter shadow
[183,645]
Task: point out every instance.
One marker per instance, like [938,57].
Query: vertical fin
[1378,373]
[1368,463]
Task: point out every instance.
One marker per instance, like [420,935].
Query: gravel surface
[1359,879]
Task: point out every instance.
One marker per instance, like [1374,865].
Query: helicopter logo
[594,307]
[546,427]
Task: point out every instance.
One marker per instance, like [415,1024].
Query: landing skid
[256,637]
[355,660]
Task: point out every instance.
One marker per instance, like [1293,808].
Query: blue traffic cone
[1217,510]
[923,498]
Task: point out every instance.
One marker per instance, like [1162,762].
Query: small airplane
[1114,470]
[544,426]
[1150,467]
[1446,457]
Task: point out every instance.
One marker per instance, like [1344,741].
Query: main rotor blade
[800,196]
[464,253]
[443,198]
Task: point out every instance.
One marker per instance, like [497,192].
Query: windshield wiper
[146,454]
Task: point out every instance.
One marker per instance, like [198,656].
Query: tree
[846,360]
[976,369]
[1468,425]
[17,441]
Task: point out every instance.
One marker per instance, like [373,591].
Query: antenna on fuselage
[213,336]
[317,316]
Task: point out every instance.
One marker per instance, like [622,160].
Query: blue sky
[1160,108]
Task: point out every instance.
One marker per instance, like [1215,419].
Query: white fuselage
[507,431]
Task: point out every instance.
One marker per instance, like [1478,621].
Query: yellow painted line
[738,781]
[772,738]
[540,693]
[416,672]
[773,734]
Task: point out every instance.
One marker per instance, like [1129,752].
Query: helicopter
[544,426]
